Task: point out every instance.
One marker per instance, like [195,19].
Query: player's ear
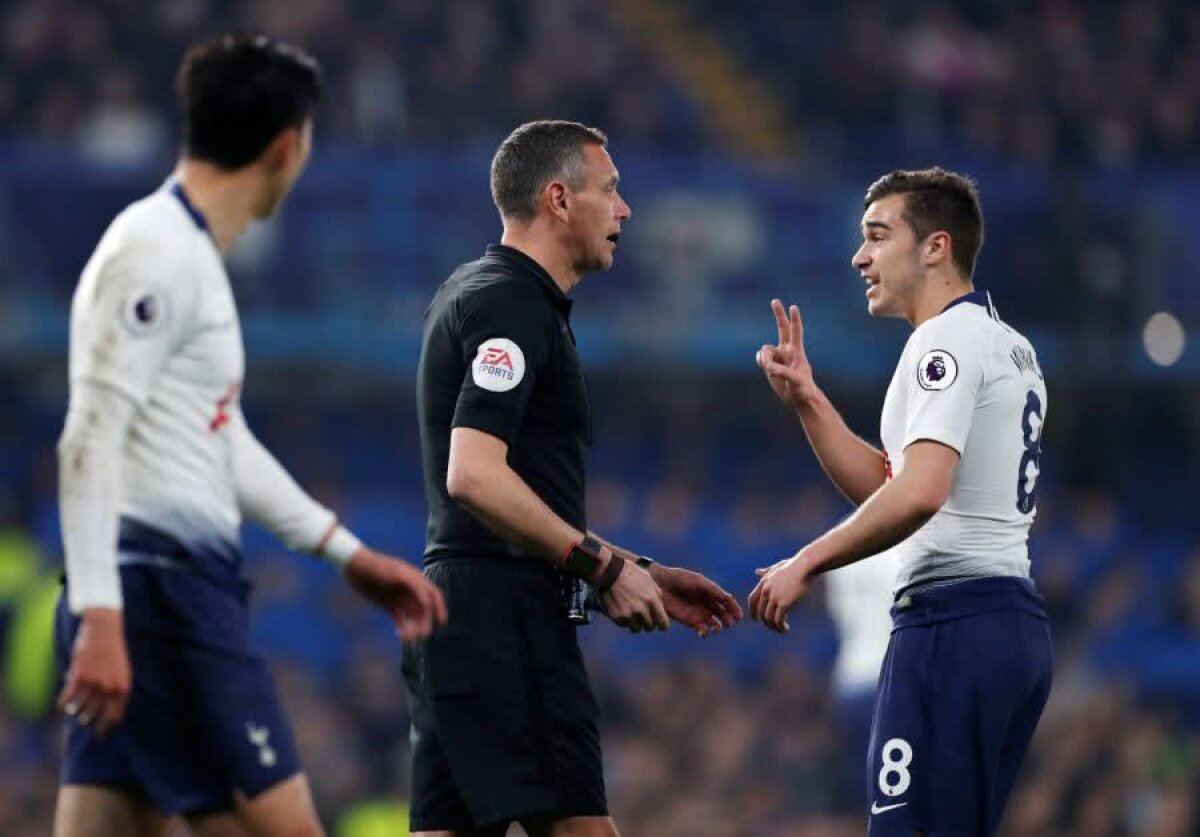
[937,248]
[554,196]
[286,143]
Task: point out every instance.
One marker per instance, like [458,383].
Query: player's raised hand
[99,680]
[413,601]
[786,363]
[695,601]
[635,601]
[779,587]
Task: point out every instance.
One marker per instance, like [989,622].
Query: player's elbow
[463,483]
[928,497]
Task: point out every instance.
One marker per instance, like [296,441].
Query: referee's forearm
[505,503]
[857,468]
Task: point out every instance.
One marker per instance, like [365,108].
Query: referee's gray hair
[532,156]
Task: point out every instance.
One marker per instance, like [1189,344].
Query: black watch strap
[583,559]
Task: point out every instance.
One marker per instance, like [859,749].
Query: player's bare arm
[690,598]
[893,513]
[855,467]
[479,477]
[268,495]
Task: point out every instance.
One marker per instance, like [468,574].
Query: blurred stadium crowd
[738,735]
[1110,82]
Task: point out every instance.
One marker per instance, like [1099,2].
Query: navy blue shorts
[203,719]
[504,719]
[963,685]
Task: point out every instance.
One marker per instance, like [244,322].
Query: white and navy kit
[969,665]
[158,469]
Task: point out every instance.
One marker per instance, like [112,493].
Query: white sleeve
[131,311]
[268,495]
[89,476]
[945,379]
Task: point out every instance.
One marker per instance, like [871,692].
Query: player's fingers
[68,696]
[795,327]
[91,706]
[732,607]
[727,611]
[770,615]
[753,601]
[779,370]
[763,356]
[779,617]
[110,715]
[781,321]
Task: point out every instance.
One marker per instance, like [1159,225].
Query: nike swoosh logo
[876,808]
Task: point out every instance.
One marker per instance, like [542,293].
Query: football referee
[504,720]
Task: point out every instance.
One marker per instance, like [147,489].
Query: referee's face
[597,211]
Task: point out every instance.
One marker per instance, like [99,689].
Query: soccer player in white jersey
[968,667]
[169,711]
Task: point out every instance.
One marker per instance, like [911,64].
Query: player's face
[291,166]
[597,211]
[888,259]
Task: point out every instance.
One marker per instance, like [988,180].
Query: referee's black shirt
[498,355]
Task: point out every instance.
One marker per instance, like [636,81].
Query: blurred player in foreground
[969,664]
[157,468]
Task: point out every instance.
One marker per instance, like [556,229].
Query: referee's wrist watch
[594,563]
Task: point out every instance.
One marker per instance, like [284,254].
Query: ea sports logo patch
[937,370]
[499,365]
[145,310]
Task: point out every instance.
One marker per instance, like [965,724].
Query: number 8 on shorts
[894,777]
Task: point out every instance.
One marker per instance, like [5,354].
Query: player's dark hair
[238,92]
[936,199]
[536,154]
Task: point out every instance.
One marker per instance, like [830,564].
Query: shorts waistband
[939,600]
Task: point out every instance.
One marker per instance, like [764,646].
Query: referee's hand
[413,601]
[99,680]
[635,602]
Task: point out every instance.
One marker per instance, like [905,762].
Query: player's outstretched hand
[695,601]
[779,587]
[634,601]
[413,601]
[98,682]
[786,363]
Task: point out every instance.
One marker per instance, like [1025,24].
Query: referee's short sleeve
[507,332]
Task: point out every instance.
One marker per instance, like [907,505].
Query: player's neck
[939,292]
[226,199]
[545,251]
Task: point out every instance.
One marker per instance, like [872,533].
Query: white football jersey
[969,381]
[154,318]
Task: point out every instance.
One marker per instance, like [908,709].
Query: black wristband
[609,576]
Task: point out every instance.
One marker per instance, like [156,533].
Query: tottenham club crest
[937,370]
[144,310]
[499,365]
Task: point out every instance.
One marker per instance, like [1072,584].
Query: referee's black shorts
[504,719]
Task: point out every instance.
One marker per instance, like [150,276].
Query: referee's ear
[554,196]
